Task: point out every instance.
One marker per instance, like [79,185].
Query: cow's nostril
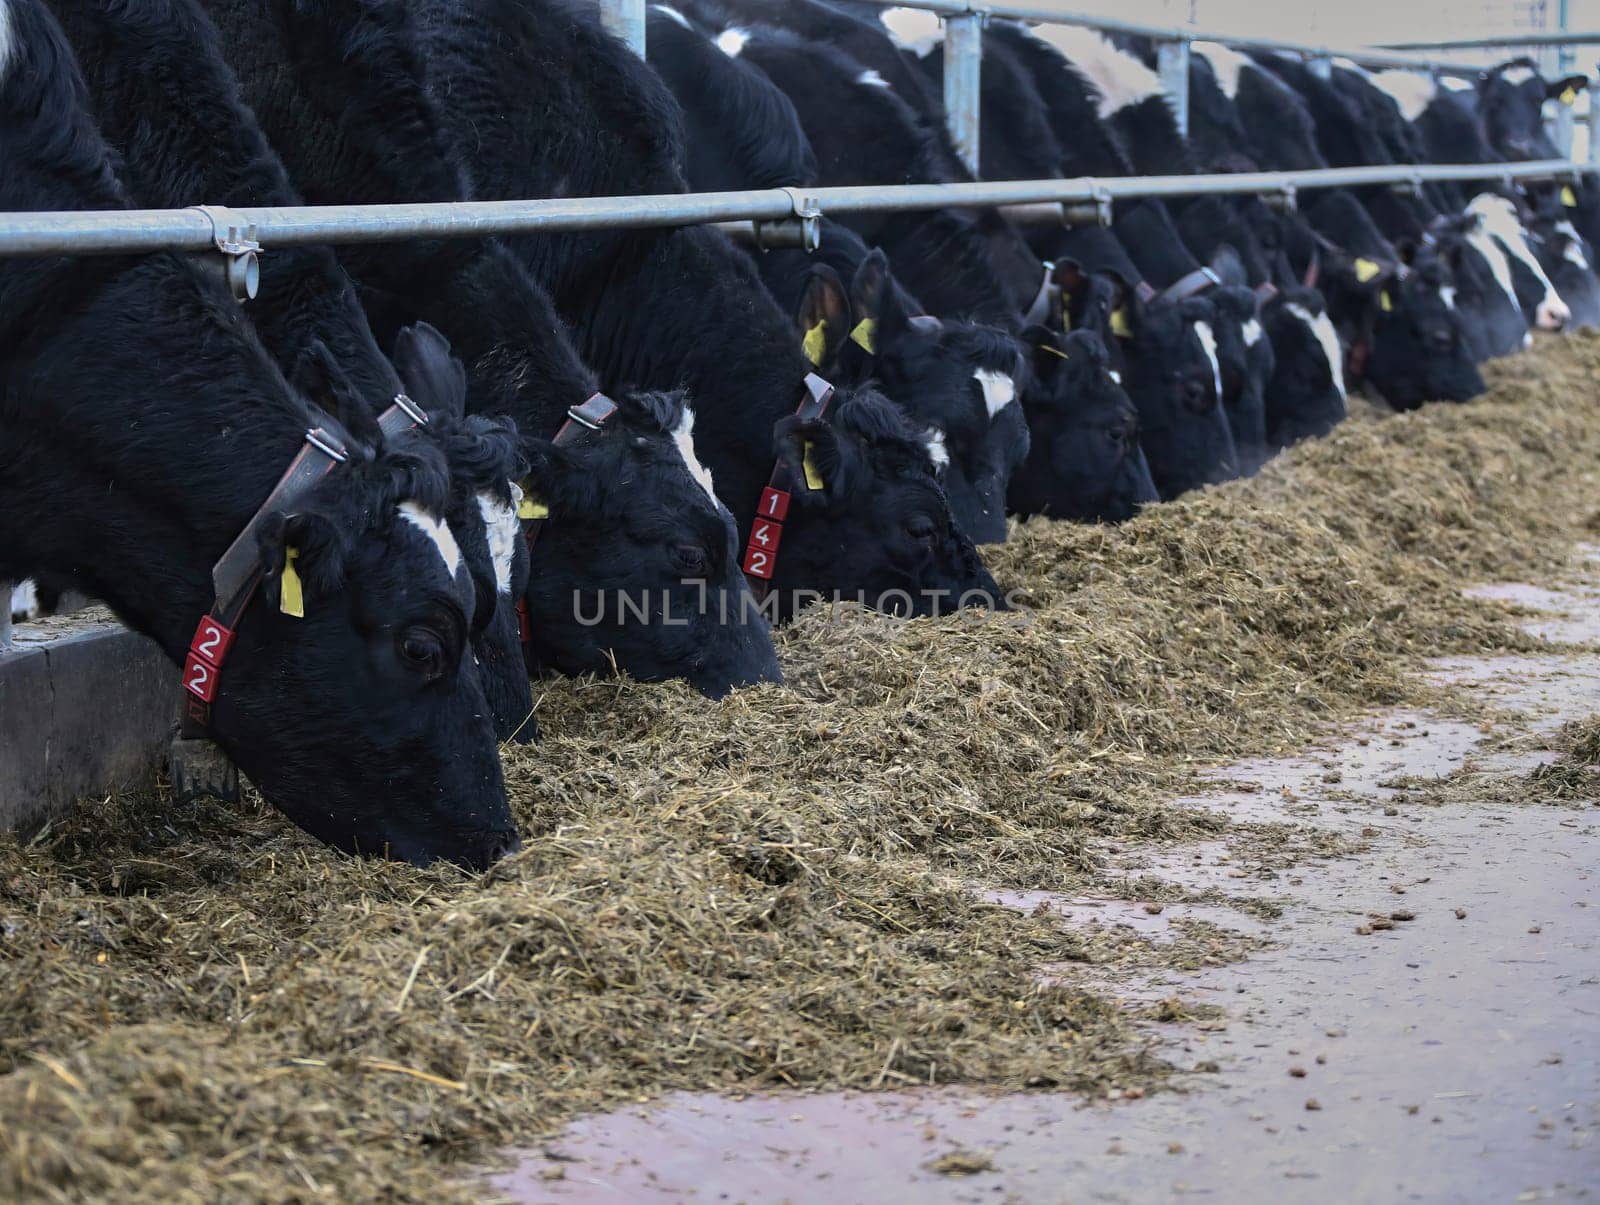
[502,845]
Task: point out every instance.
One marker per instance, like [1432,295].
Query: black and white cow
[1086,462]
[129,470]
[169,106]
[956,380]
[662,308]
[632,526]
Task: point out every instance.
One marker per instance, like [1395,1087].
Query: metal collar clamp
[590,415]
[237,574]
[766,532]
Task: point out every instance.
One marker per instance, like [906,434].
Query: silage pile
[768,890]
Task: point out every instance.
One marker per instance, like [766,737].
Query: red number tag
[767,535]
[199,678]
[758,563]
[774,504]
[211,641]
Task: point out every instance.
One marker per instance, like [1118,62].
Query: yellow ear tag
[865,336]
[813,478]
[291,594]
[531,508]
[1386,305]
[1119,323]
[1366,270]
[1054,351]
[1570,95]
[1568,197]
[1066,319]
[816,344]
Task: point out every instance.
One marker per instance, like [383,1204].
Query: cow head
[1569,262]
[350,697]
[1421,350]
[868,519]
[1511,100]
[636,566]
[955,380]
[1085,461]
[1175,381]
[1245,356]
[1479,271]
[482,511]
[1306,395]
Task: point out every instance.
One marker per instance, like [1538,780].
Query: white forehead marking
[912,29]
[999,390]
[1483,242]
[1252,332]
[1227,63]
[683,440]
[666,10]
[1500,220]
[1116,377]
[437,532]
[1447,294]
[731,41]
[1517,75]
[1321,326]
[1351,66]
[1208,344]
[872,79]
[1455,83]
[1121,79]
[1573,254]
[934,442]
[501,528]
[1409,91]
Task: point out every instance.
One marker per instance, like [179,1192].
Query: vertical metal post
[1172,63]
[963,73]
[1561,124]
[625,18]
[5,615]
[1594,118]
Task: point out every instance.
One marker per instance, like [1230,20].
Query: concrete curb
[86,708]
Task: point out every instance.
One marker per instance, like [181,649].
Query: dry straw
[770,890]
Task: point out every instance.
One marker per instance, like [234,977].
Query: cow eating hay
[768,889]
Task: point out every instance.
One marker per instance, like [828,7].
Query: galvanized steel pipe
[124,231]
[1172,64]
[963,66]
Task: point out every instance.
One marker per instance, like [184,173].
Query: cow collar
[237,575]
[1194,282]
[591,415]
[766,532]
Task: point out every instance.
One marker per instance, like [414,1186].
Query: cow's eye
[921,529]
[691,558]
[422,651]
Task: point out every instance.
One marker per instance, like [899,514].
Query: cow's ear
[823,466]
[823,316]
[875,303]
[1568,89]
[324,379]
[1235,302]
[1046,353]
[433,377]
[557,482]
[1127,311]
[301,556]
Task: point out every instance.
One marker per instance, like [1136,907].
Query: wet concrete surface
[1454,1056]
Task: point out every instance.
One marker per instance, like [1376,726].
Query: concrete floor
[1454,1057]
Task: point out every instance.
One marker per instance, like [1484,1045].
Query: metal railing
[771,216]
